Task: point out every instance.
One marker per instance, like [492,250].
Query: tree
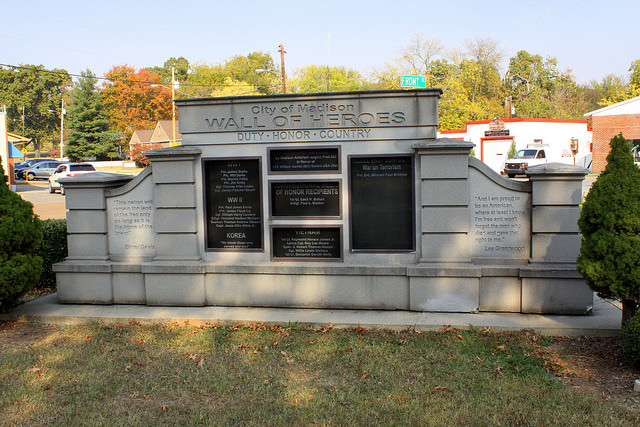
[538,89]
[628,91]
[39,92]
[487,85]
[132,103]
[87,119]
[203,79]
[610,225]
[386,77]
[180,70]
[461,101]
[611,87]
[320,78]
[256,72]
[20,235]
[635,73]
[512,150]
[232,87]
[256,69]
[470,79]
[420,53]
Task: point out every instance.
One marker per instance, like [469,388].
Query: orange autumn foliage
[132,102]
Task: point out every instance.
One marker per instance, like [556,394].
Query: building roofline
[515,120]
[609,107]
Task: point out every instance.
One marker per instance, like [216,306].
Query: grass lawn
[169,374]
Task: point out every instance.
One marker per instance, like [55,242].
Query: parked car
[20,167]
[67,169]
[522,160]
[42,170]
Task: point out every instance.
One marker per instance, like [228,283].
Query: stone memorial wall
[341,200]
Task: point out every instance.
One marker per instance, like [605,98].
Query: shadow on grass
[137,374]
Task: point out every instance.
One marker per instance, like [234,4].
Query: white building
[565,141]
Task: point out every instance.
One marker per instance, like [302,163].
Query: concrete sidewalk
[603,321]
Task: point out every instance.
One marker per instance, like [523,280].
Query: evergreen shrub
[20,235]
[512,150]
[52,249]
[610,225]
[630,339]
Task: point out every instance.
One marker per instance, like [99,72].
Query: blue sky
[592,37]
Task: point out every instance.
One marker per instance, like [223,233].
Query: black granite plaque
[233,200]
[313,243]
[305,198]
[304,160]
[382,203]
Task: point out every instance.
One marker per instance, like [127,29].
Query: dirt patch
[16,336]
[593,365]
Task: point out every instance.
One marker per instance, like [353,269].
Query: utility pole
[284,76]
[173,102]
[62,112]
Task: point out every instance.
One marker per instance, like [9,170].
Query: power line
[38,70]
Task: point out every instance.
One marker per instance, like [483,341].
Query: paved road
[45,205]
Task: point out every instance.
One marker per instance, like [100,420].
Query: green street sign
[413,81]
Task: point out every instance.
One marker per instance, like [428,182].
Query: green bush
[512,150]
[631,339]
[53,249]
[610,225]
[20,235]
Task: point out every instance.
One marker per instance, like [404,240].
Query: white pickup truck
[523,159]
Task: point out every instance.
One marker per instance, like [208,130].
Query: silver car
[42,170]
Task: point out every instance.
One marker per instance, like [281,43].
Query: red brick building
[623,117]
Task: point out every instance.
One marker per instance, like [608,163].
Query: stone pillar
[444,280]
[85,275]
[551,282]
[176,274]
[556,195]
[174,198]
[444,195]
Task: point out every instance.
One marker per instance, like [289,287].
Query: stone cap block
[96,180]
[440,144]
[555,169]
[172,152]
